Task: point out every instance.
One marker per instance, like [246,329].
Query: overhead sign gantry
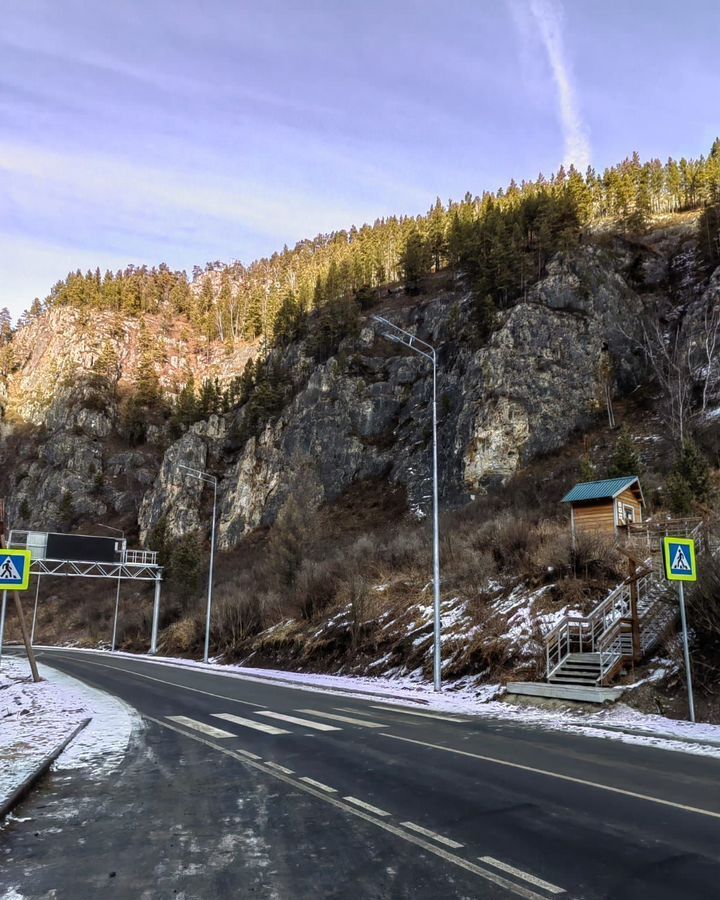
[86,556]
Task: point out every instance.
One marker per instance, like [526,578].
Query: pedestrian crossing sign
[679,556]
[14,569]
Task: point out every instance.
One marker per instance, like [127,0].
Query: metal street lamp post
[117,594]
[208,479]
[400,336]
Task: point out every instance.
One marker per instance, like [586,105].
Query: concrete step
[571,676]
[583,693]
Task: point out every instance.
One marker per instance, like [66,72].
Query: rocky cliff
[364,413]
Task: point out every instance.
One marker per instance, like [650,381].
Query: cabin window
[629,514]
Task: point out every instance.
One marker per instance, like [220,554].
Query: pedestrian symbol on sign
[680,563]
[679,556]
[14,569]
[8,570]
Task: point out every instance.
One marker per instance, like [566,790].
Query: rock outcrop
[366,413]
[363,414]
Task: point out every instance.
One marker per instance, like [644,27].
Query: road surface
[245,788]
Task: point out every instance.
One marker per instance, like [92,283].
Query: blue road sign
[680,562]
[14,569]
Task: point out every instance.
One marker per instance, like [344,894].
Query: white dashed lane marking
[319,784]
[372,809]
[283,769]
[248,723]
[249,755]
[306,723]
[200,726]
[346,719]
[432,834]
[526,876]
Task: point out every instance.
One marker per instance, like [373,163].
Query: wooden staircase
[579,669]
[584,654]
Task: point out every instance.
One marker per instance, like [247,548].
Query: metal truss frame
[68,568]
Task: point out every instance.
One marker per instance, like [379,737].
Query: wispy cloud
[545,19]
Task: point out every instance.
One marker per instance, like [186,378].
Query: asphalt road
[241,788]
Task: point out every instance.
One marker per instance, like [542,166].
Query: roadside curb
[31,780]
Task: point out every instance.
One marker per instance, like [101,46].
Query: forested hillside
[502,239]
[576,323]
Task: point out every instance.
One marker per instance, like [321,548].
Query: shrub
[316,587]
[704,623]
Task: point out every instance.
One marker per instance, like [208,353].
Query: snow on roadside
[467,698]
[36,718]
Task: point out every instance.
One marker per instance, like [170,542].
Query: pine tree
[693,467]
[147,385]
[484,318]
[625,461]
[66,510]
[679,495]
[5,325]
[106,369]
[414,262]
[185,410]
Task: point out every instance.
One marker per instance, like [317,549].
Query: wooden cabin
[606,506]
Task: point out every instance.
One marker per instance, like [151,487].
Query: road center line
[526,876]
[174,684]
[593,784]
[299,784]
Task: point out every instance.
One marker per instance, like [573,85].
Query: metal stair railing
[608,629]
[582,634]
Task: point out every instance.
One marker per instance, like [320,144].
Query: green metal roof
[600,490]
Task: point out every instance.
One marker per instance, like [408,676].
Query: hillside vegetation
[577,324]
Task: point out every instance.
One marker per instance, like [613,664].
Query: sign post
[15,576]
[680,566]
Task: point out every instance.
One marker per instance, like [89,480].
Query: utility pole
[422,348]
[208,479]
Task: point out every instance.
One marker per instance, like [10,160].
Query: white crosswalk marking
[200,726]
[248,723]
[346,719]
[526,876]
[425,715]
[431,834]
[306,723]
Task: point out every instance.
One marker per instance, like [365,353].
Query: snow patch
[36,718]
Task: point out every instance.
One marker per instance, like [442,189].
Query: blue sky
[185,132]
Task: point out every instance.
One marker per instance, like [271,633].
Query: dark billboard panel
[81,548]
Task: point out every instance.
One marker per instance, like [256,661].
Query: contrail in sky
[548,15]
